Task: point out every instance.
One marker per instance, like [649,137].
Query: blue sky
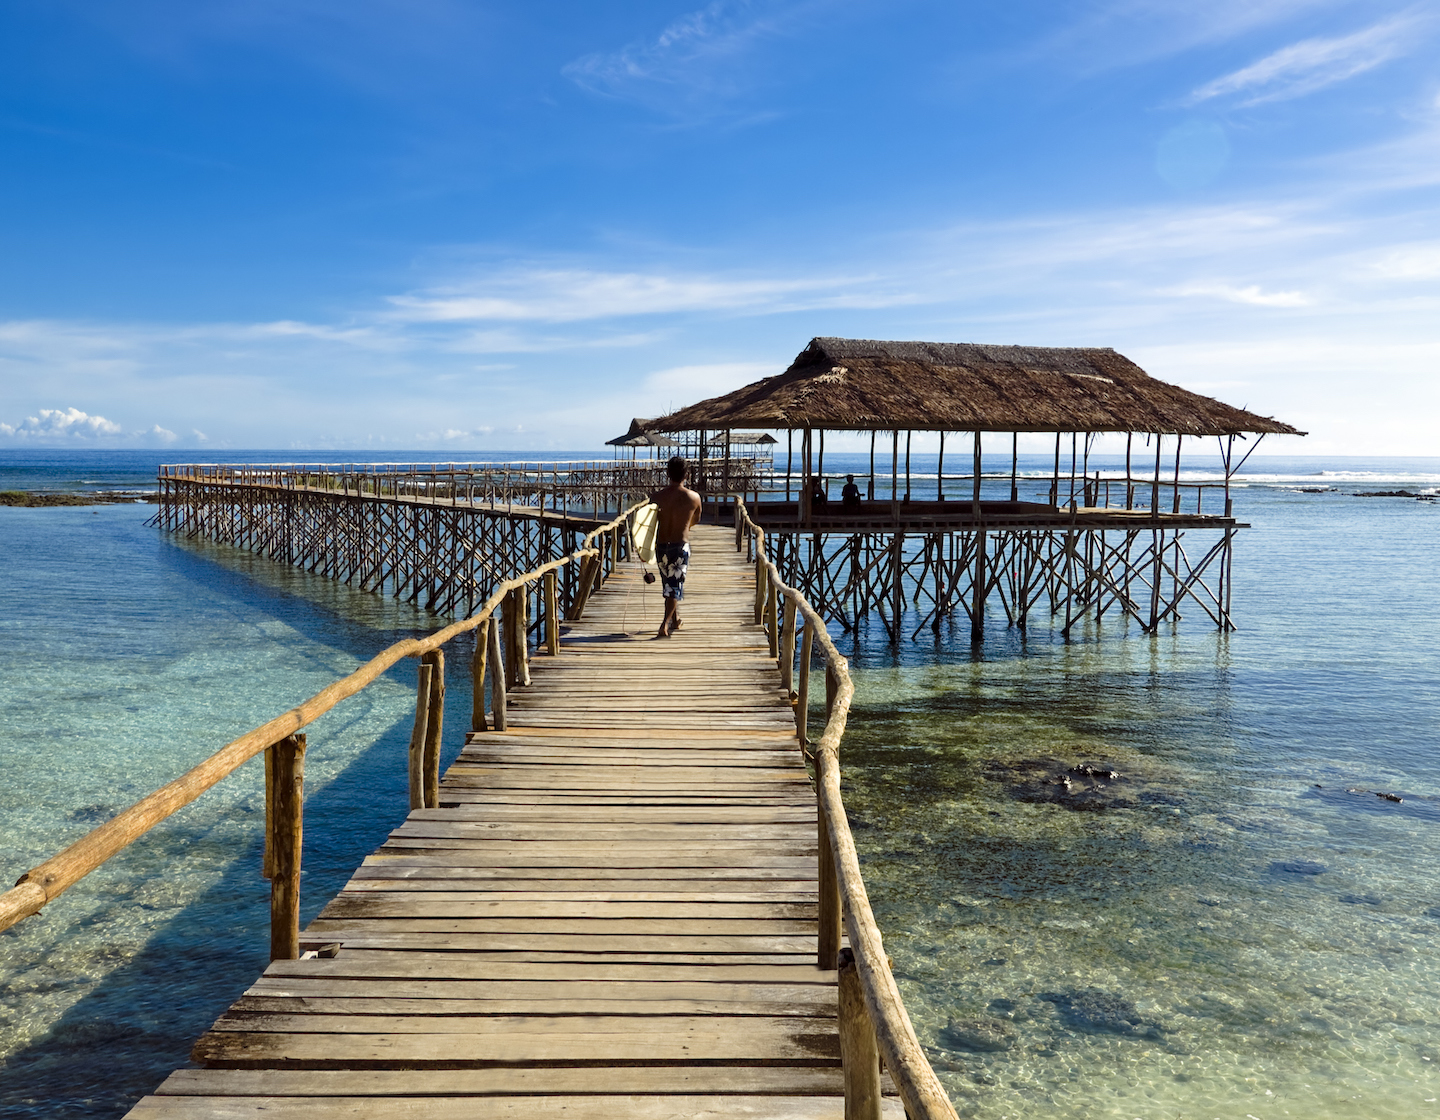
[437,224]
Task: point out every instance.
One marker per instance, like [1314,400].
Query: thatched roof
[637,436]
[747,438]
[860,385]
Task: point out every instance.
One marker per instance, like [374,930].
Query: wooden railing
[501,651]
[873,1019]
[594,484]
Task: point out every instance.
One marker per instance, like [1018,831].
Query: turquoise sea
[1240,927]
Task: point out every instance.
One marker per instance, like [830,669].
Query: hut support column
[895,467]
[977,590]
[1015,466]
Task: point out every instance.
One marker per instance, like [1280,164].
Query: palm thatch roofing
[638,436]
[848,384]
[755,438]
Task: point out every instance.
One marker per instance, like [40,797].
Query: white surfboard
[643,524]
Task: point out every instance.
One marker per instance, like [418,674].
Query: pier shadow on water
[157,943]
[121,1039]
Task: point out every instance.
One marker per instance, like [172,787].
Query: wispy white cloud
[1252,294]
[1313,64]
[699,64]
[570,295]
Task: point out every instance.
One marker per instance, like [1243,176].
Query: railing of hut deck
[873,1019]
[501,651]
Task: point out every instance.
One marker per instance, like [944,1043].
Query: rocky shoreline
[33,499]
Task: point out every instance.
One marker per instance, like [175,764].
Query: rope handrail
[920,1089]
[45,882]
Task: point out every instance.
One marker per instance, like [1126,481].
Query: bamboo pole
[286,830]
[859,1051]
[434,729]
[418,733]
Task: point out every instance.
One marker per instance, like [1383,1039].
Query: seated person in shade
[850,495]
[818,497]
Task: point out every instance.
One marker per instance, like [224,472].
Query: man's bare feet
[675,624]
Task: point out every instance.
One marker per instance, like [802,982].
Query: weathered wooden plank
[500,1080]
[790,1040]
[590,1107]
[363,964]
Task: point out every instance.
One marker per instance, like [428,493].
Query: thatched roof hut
[846,384]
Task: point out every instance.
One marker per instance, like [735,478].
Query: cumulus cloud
[60,424]
[1312,64]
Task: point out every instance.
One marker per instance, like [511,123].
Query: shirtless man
[679,509]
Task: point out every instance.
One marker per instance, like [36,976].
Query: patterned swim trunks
[672,560]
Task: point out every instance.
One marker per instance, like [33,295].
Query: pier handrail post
[419,731]
[434,729]
[497,678]
[772,618]
[859,1049]
[760,588]
[477,674]
[802,702]
[552,613]
[787,648]
[827,939]
[285,831]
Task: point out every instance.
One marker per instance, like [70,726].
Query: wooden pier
[612,911]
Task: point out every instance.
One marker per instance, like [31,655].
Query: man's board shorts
[672,560]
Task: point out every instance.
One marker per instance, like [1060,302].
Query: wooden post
[859,1051]
[418,734]
[477,675]
[1014,466]
[827,944]
[802,704]
[552,613]
[522,633]
[286,833]
[787,648]
[497,679]
[761,582]
[772,620]
[434,729]
[267,861]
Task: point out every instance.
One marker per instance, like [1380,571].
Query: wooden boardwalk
[611,914]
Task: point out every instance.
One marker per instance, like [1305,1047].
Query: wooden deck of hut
[611,913]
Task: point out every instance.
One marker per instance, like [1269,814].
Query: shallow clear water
[1247,929]
[1233,941]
